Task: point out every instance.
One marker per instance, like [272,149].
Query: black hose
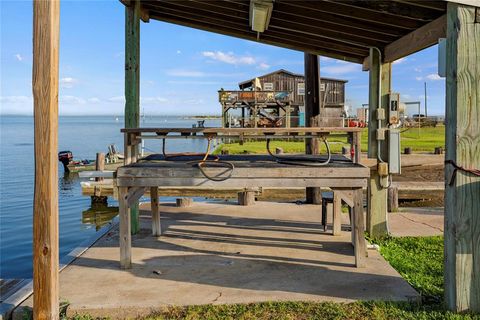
[303,161]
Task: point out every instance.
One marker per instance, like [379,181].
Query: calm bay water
[84,136]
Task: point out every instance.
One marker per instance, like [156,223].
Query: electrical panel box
[442,57]
[382,168]
[380,114]
[381,134]
[394,151]
[394,108]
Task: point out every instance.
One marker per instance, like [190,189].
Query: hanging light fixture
[260,13]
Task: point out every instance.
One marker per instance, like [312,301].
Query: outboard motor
[65,157]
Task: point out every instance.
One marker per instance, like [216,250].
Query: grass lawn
[426,141]
[418,259]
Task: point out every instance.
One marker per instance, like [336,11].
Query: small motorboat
[113,159]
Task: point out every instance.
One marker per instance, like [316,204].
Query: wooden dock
[406,191]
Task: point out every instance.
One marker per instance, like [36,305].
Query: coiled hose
[303,161]
[203,163]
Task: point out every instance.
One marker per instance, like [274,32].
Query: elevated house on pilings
[277,99]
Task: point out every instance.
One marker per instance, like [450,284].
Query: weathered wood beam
[462,190]
[132,83]
[301,34]
[379,87]
[285,20]
[358,14]
[395,8]
[46,28]
[281,21]
[430,4]
[299,13]
[417,40]
[266,39]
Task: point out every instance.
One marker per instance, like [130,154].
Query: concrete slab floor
[417,222]
[225,253]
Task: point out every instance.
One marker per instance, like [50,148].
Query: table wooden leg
[337,214]
[125,237]
[359,229]
[156,227]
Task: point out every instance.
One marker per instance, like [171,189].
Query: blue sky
[181,68]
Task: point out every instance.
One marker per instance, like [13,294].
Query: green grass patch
[305,310]
[419,260]
[424,140]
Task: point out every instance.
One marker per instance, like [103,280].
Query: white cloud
[93,100]
[325,59]
[71,100]
[67,82]
[342,68]
[19,57]
[153,100]
[194,101]
[117,99]
[195,82]
[229,57]
[16,99]
[179,52]
[263,66]
[434,77]
[186,73]
[401,60]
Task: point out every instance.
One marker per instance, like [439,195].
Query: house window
[268,86]
[301,88]
[322,86]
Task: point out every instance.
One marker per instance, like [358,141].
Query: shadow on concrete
[306,266]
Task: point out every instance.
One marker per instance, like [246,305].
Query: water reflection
[66,184]
[99,215]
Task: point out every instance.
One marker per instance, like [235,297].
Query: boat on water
[113,159]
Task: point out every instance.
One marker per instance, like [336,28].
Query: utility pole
[425,87]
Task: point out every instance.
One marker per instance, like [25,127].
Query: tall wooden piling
[46,25]
[132,84]
[379,85]
[312,109]
[462,189]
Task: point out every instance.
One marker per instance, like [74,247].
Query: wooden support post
[46,28]
[337,214]
[358,229]
[392,199]
[312,109]
[184,202]
[125,237]
[155,209]
[246,198]
[379,84]
[462,190]
[97,197]
[132,81]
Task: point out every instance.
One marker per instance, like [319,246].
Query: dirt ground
[433,172]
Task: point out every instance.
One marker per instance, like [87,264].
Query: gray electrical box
[394,162]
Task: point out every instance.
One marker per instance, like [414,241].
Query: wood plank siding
[283,80]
